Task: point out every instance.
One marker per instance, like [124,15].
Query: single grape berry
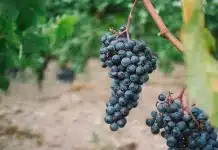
[122,122]
[134,59]
[161,108]
[125,61]
[114,127]
[110,110]
[181,125]
[108,119]
[131,68]
[117,115]
[116,59]
[162,97]
[171,141]
[129,54]
[134,78]
[154,114]
[122,53]
[120,46]
[124,111]
[122,101]
[155,129]
[140,70]
[150,122]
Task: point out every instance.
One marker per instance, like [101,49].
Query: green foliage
[31,32]
[211,10]
[98,16]
[27,39]
[202,69]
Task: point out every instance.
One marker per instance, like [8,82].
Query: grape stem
[185,108]
[130,18]
[164,32]
[169,98]
[180,97]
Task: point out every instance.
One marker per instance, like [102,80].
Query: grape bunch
[129,63]
[189,130]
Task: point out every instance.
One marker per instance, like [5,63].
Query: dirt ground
[71,117]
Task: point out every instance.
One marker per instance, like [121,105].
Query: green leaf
[202,69]
[65,26]
[35,43]
[8,11]
[209,40]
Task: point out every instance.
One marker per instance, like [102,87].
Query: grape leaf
[202,69]
[209,39]
[65,26]
[35,42]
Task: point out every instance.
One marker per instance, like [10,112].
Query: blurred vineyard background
[35,33]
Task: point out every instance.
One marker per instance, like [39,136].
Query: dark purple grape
[150,121]
[134,78]
[126,60]
[116,59]
[134,59]
[119,46]
[122,122]
[162,97]
[124,111]
[155,129]
[171,141]
[117,115]
[110,110]
[154,114]
[131,69]
[108,119]
[114,127]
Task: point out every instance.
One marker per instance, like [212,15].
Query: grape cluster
[189,130]
[129,63]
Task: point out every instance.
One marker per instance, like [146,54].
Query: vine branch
[164,32]
[180,97]
[130,18]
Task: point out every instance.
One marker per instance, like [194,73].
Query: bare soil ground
[70,117]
